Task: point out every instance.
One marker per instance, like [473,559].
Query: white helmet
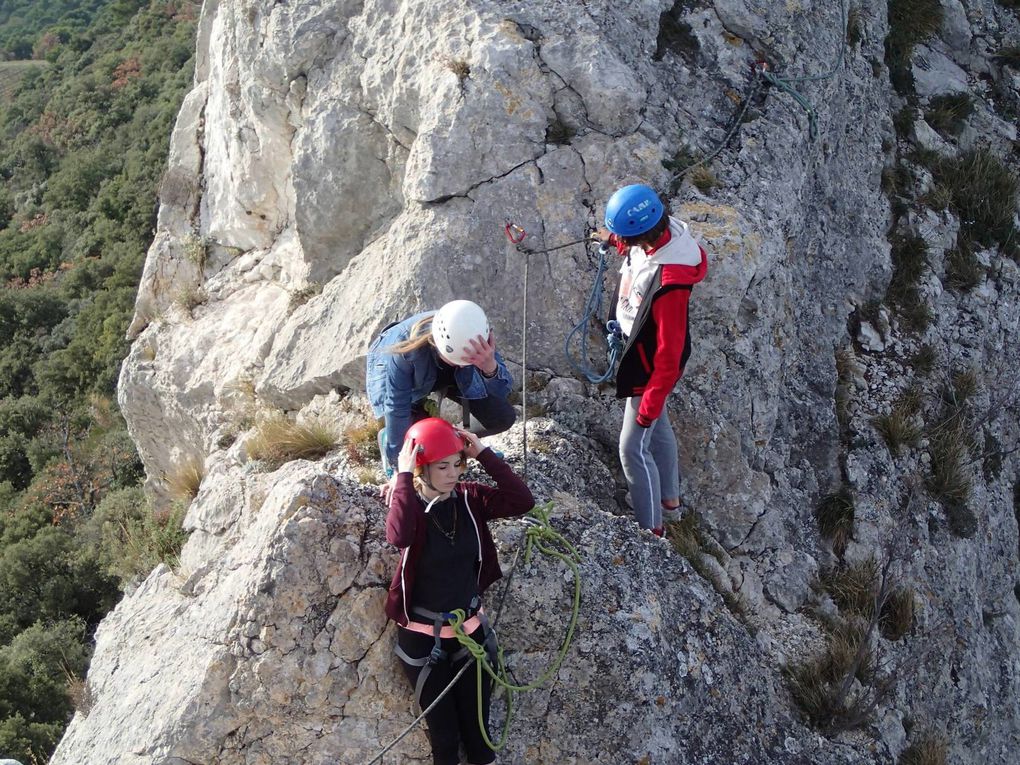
[454,325]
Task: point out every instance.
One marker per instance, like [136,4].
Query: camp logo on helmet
[638,208]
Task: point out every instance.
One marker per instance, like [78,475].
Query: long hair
[420,336]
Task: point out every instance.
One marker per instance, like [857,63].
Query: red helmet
[436,439]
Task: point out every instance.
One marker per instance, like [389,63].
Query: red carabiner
[509,228]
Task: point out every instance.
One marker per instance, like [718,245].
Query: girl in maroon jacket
[662,262]
[447,560]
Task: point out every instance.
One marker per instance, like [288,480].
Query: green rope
[540,536]
[785,84]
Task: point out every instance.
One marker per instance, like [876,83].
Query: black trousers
[489,415]
[454,721]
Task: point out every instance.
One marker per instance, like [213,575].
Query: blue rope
[592,309]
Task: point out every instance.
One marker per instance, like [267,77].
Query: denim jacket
[395,381]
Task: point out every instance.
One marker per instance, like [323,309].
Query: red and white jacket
[405,526]
[651,305]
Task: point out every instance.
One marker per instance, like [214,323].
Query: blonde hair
[420,336]
[419,482]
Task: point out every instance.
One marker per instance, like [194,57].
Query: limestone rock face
[340,165]
[281,652]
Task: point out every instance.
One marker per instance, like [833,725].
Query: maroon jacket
[405,526]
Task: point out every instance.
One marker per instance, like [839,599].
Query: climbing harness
[540,536]
[438,655]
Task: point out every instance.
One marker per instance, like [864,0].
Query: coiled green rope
[540,536]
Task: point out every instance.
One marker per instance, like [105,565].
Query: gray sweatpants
[650,464]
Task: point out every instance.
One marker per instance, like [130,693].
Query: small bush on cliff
[278,440]
[835,516]
[362,443]
[185,478]
[928,749]
[133,538]
[910,22]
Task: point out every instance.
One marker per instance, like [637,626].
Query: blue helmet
[633,210]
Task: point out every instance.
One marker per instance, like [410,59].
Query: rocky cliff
[339,165]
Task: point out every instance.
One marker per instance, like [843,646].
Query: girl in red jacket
[447,560]
[662,262]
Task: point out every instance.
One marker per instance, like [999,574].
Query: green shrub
[983,192]
[132,538]
[948,113]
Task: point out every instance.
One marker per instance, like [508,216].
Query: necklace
[451,534]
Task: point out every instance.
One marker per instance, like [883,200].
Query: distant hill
[84,134]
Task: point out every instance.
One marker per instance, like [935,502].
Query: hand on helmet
[472,444]
[481,353]
[405,459]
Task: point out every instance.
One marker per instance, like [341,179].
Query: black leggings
[489,415]
[455,718]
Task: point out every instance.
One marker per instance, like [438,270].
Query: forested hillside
[83,142]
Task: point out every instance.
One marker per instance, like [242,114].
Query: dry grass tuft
[909,256]
[703,178]
[458,66]
[897,615]
[277,440]
[185,479]
[819,683]
[835,515]
[899,428]
[362,443]
[852,587]
[930,748]
[80,693]
[688,539]
[925,359]
[948,113]
[963,270]
[190,298]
